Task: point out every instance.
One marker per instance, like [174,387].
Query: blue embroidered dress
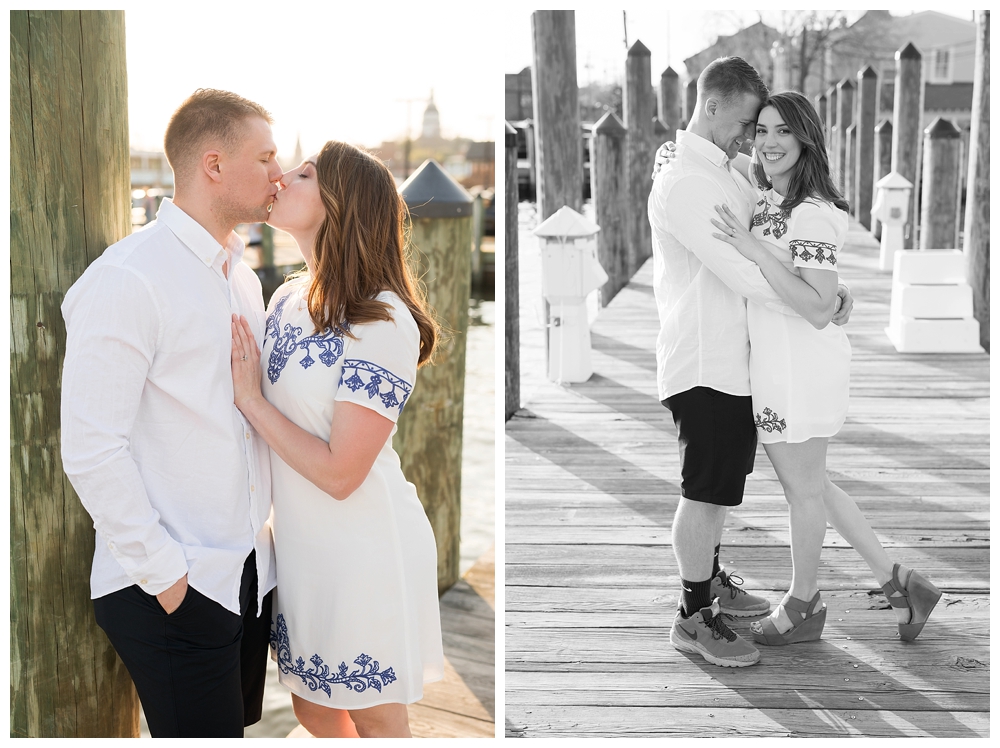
[355,621]
[799,376]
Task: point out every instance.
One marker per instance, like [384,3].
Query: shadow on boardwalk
[592,478]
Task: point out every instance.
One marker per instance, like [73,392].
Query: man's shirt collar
[704,148]
[196,237]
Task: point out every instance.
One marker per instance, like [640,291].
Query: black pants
[199,671]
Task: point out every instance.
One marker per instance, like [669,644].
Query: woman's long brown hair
[810,177]
[361,247]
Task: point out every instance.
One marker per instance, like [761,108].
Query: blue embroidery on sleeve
[370,377]
[286,343]
[319,677]
[332,348]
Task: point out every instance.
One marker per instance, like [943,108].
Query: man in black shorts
[703,349]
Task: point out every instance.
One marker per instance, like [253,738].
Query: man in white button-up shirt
[703,347]
[176,480]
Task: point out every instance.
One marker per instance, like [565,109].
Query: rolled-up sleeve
[112,324]
[688,213]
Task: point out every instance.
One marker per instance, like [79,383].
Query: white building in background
[431,128]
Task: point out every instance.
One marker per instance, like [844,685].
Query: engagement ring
[244,358]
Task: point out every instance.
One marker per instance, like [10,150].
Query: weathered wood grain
[512,338]
[977,205]
[804,720]
[592,483]
[907,107]
[610,187]
[867,106]
[429,432]
[558,155]
[941,198]
[70,199]
[639,103]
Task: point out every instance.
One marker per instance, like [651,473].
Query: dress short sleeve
[380,367]
[817,236]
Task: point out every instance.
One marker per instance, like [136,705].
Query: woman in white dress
[800,366]
[356,629]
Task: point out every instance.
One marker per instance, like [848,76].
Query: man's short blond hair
[207,115]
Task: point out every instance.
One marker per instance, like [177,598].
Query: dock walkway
[592,480]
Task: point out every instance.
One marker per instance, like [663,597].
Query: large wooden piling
[558,152]
[690,99]
[611,193]
[820,104]
[831,119]
[558,155]
[907,109]
[69,200]
[512,326]
[850,161]
[942,195]
[867,109]
[429,432]
[882,162]
[670,104]
[660,132]
[639,151]
[977,194]
[845,116]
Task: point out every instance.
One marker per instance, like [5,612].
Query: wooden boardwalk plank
[592,480]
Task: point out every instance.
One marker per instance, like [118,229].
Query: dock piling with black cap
[942,188]
[907,110]
[429,435]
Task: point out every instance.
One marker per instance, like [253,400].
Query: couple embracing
[237,462]
[745,276]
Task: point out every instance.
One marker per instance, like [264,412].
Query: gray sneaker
[735,601]
[706,634]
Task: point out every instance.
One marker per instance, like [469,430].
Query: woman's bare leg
[801,468]
[382,721]
[322,721]
[847,519]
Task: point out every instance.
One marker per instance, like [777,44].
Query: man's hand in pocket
[172,597]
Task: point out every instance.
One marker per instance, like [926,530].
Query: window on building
[941,62]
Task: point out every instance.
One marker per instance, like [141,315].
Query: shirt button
[253,488]
[143,581]
[248,435]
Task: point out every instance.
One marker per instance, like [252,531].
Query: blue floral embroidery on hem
[319,677]
[331,344]
[394,397]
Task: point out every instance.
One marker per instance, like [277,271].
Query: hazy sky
[327,72]
[671,35]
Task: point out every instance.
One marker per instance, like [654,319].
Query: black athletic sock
[695,596]
[715,561]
